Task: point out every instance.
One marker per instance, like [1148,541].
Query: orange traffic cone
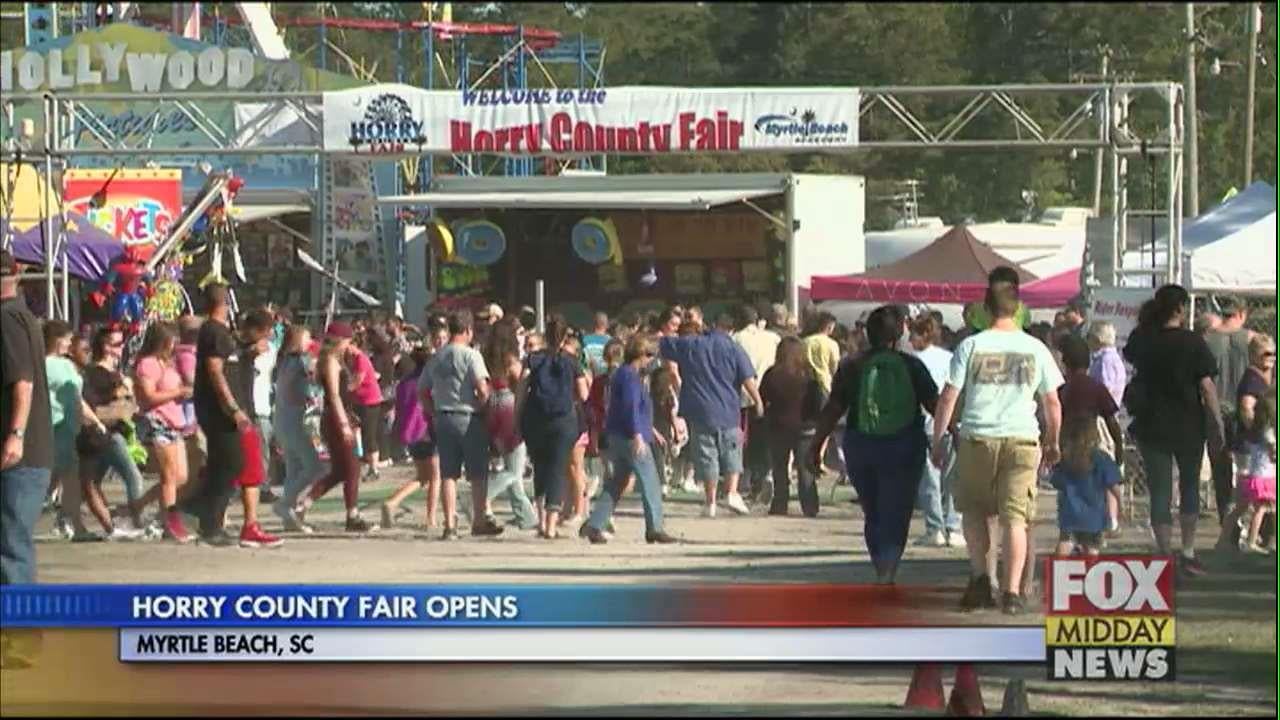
[966,696]
[926,691]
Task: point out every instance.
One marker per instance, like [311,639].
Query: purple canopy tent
[90,250]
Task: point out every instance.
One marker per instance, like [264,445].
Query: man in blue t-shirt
[593,345]
[713,368]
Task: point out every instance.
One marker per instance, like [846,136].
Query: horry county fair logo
[802,128]
[387,127]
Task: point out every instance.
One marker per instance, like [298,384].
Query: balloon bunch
[168,298]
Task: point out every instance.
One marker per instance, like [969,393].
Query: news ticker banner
[1110,618]
[395,119]
[724,623]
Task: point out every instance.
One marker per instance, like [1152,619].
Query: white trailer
[821,217]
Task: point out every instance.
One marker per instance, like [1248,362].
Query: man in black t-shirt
[223,401]
[27,424]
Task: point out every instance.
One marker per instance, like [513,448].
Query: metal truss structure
[1125,121]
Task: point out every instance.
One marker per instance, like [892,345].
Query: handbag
[115,412]
[91,441]
[1135,396]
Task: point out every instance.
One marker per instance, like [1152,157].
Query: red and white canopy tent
[951,270]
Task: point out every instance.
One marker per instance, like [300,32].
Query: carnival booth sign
[133,205]
[395,119]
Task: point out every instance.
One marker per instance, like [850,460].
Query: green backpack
[886,395]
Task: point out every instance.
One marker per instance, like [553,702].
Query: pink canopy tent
[951,269]
[1054,291]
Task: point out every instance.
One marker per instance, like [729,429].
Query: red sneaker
[174,529]
[253,536]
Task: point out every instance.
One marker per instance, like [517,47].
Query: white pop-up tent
[1231,248]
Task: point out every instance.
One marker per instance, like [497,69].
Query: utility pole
[1255,19]
[1099,153]
[1189,110]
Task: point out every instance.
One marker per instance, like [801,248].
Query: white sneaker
[690,486]
[956,540]
[709,511]
[737,504]
[666,491]
[121,533]
[290,519]
[62,528]
[933,538]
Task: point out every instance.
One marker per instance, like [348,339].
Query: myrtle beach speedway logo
[388,126]
[803,128]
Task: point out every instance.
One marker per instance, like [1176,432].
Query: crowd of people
[966,426]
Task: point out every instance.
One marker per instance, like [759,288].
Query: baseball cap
[339,331]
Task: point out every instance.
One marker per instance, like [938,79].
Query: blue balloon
[201,224]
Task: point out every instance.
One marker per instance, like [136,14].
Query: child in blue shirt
[1082,480]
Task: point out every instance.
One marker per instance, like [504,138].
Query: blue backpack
[551,379]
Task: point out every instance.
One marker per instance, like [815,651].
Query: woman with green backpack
[883,393]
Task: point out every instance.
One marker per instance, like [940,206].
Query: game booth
[628,244]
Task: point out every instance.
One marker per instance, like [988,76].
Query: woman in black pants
[1174,404]
[792,402]
[552,387]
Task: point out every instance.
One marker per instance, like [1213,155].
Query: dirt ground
[1226,632]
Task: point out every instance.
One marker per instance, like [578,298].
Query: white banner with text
[394,119]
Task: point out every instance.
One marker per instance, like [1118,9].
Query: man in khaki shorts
[1003,372]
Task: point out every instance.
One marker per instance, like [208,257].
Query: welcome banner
[393,119]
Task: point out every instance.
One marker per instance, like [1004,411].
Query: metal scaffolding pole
[50,146]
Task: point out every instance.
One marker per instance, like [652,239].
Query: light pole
[1255,19]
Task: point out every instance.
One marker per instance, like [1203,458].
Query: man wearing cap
[490,314]
[27,423]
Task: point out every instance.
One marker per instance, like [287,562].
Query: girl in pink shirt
[159,388]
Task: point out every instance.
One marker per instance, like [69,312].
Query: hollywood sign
[146,72]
